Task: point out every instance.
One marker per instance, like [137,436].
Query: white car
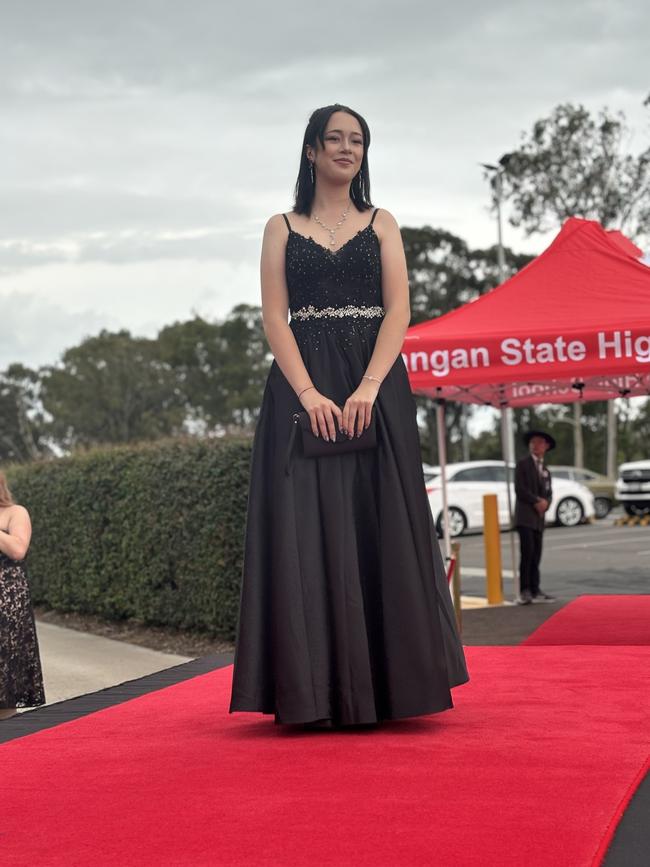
[633,487]
[467,483]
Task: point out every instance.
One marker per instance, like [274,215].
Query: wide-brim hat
[539,433]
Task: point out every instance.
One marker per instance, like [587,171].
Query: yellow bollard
[492,542]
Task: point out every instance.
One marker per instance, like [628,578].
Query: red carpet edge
[610,833]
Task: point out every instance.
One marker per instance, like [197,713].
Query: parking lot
[592,558]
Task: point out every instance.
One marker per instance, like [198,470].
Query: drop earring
[311,170]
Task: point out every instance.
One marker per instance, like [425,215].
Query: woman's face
[341,155]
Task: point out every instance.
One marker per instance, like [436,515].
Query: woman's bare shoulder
[385,218]
[386,226]
[17,511]
[276,224]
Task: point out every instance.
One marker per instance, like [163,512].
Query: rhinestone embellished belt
[312,312]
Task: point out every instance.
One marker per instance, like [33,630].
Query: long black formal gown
[21,678]
[345,611]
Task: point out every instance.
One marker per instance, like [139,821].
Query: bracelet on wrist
[305,389]
[373,378]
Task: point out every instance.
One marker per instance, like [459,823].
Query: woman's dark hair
[360,186]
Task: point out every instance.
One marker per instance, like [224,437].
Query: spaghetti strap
[287,222]
[374,214]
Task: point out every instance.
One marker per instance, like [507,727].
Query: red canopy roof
[624,243]
[575,321]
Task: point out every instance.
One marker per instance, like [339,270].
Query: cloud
[145,143]
[35,332]
[48,309]
[235,242]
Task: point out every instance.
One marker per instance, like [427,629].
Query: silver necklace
[338,225]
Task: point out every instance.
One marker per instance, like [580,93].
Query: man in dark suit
[533,494]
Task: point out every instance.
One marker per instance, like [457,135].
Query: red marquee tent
[573,323]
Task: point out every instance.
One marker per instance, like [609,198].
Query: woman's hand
[322,412]
[358,408]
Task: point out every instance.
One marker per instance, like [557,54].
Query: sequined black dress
[21,678]
[345,612]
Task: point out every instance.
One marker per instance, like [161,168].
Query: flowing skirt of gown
[345,610]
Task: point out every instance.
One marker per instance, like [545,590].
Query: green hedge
[152,532]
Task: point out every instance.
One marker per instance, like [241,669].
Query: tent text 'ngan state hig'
[574,323]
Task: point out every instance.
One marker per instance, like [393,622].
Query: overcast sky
[144,144]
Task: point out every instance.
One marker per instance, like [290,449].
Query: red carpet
[531,768]
[611,620]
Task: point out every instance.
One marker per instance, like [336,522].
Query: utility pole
[496,182]
[507,421]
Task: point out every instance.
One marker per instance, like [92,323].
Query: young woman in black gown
[345,613]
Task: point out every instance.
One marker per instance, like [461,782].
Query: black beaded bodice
[334,291]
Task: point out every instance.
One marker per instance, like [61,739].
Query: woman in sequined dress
[21,678]
[345,615]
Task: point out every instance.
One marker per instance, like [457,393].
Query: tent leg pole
[442,460]
[507,445]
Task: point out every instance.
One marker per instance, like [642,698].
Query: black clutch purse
[317,447]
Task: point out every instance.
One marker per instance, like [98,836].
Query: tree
[220,367]
[112,388]
[634,429]
[246,363]
[193,350]
[558,420]
[21,416]
[445,273]
[573,164]
[439,271]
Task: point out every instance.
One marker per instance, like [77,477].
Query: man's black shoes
[543,597]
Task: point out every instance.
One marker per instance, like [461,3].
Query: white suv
[572,503]
[633,487]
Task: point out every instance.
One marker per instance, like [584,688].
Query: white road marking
[479,571]
[551,549]
[613,531]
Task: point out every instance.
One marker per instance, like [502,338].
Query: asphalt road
[593,558]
